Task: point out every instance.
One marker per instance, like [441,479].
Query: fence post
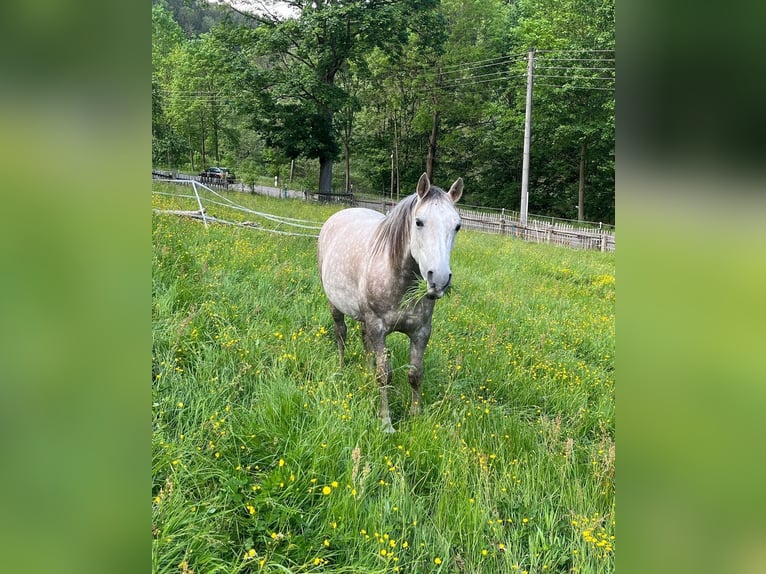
[603,241]
[199,202]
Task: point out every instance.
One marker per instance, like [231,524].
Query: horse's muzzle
[433,291]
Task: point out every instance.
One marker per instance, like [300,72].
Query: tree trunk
[202,136]
[348,124]
[347,153]
[431,160]
[215,124]
[396,161]
[191,150]
[215,143]
[581,188]
[325,176]
[391,194]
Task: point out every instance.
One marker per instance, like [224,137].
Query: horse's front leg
[339,324]
[368,349]
[377,341]
[418,342]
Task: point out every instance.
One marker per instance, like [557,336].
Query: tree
[166,37]
[305,54]
[438,83]
[573,112]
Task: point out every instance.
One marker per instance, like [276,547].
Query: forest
[341,96]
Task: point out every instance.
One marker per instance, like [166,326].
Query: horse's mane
[394,231]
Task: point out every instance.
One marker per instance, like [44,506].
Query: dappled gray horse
[368,262]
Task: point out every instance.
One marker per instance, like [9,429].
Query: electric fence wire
[281,220]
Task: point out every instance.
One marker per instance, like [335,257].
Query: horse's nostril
[430,275]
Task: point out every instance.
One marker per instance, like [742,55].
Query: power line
[576,77]
[577,50]
[498,59]
[611,68]
[577,59]
[570,87]
[461,75]
[469,69]
[474,80]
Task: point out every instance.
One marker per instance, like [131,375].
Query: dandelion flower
[326,490]
[437,560]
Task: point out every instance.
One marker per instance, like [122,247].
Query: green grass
[268,458]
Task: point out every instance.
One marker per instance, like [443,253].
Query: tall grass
[267,457]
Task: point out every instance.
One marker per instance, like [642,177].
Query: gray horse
[368,262]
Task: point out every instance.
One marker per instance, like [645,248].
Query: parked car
[218,173]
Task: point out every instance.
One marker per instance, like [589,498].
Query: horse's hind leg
[339,322]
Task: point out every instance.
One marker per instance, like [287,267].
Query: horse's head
[435,222]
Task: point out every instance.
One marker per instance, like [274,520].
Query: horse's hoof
[387,427]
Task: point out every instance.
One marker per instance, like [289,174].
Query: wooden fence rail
[503,222]
[214,181]
[508,224]
[539,231]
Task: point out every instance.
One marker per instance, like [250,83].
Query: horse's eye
[458,227]
[419,222]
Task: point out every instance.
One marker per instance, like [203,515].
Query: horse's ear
[456,190]
[424,184]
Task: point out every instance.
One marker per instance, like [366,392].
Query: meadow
[268,457]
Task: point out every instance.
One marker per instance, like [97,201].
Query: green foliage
[569,120]
[267,457]
[375,78]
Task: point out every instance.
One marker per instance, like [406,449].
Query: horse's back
[343,249]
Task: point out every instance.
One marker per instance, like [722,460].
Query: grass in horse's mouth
[419,290]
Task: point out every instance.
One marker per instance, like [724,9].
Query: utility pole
[527,137]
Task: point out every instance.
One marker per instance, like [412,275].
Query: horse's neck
[394,279]
[409,274]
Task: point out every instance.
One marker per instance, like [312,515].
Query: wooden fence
[539,230]
[508,223]
[209,181]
